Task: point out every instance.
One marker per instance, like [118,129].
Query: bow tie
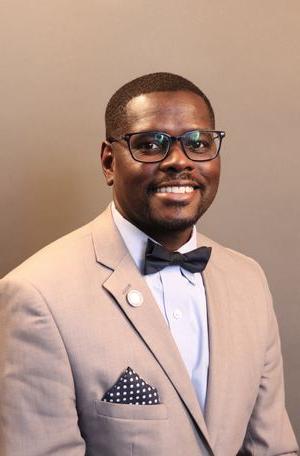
[157,258]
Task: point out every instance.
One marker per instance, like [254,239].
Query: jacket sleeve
[38,414]
[269,431]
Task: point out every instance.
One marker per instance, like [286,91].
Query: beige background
[60,60]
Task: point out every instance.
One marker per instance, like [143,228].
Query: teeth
[181,189]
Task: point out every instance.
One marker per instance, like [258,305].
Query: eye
[148,145]
[198,144]
[147,142]
[198,141]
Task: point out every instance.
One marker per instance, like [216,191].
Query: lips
[180,186]
[175,189]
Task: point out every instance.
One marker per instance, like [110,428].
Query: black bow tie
[157,258]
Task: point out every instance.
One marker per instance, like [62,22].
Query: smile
[175,189]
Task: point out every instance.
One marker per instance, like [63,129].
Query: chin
[174,220]
[175,224]
[172,223]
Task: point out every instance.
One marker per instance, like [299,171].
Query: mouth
[177,189]
[176,192]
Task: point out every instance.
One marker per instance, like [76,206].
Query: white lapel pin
[135,298]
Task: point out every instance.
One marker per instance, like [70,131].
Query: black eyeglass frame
[221,134]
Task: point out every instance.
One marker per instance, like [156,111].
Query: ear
[107,161]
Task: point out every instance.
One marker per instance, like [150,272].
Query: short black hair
[115,114]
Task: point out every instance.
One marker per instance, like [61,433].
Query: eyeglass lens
[153,146]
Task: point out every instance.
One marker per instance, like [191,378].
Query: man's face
[136,185]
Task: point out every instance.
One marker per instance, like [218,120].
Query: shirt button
[177,314]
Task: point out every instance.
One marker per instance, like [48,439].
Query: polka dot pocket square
[131,389]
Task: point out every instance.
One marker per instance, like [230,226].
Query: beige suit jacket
[67,331]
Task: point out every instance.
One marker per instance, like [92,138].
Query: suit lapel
[217,296]
[147,318]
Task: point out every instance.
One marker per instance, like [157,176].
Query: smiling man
[135,335]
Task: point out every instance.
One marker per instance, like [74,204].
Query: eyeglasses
[153,146]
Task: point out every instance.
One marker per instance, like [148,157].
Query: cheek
[129,171]
[211,171]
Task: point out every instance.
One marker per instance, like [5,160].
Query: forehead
[173,112]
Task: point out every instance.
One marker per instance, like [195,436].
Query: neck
[171,240]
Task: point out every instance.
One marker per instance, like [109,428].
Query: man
[104,352]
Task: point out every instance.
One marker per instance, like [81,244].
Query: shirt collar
[136,240]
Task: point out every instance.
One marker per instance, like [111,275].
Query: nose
[176,159]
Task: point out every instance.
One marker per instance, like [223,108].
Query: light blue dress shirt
[181,298]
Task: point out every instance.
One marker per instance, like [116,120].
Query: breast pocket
[131,430]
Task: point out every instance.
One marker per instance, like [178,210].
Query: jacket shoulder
[67,255]
[229,259]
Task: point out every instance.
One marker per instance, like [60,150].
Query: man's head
[162,198]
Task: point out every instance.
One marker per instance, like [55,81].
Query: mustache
[183,179]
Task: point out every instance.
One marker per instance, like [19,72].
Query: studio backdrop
[61,60]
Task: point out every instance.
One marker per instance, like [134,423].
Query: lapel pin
[135,298]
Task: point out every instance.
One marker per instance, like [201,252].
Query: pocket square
[131,389]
